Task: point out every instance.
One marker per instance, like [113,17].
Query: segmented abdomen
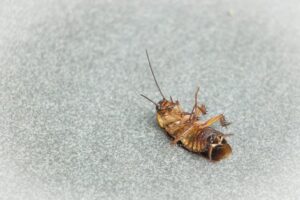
[195,139]
[195,142]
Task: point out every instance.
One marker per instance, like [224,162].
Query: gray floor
[73,125]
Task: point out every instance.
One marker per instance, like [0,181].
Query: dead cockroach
[187,129]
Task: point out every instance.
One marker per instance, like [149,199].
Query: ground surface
[73,125]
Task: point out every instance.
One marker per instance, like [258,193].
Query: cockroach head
[217,146]
[165,104]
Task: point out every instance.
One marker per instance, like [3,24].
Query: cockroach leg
[183,135]
[203,110]
[194,110]
[186,113]
[197,110]
[223,122]
[220,118]
[227,135]
[200,110]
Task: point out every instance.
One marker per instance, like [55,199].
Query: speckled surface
[73,125]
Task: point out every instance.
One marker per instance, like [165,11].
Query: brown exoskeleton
[186,128]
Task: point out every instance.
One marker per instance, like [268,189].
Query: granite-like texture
[73,125]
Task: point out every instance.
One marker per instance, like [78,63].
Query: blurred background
[73,125]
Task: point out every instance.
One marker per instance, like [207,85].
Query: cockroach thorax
[168,112]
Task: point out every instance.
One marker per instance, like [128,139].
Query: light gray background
[73,125]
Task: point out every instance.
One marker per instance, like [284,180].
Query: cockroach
[186,129]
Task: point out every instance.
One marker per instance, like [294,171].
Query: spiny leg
[194,110]
[201,109]
[220,118]
[183,135]
[197,110]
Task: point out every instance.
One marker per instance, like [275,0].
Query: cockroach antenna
[154,75]
[149,99]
